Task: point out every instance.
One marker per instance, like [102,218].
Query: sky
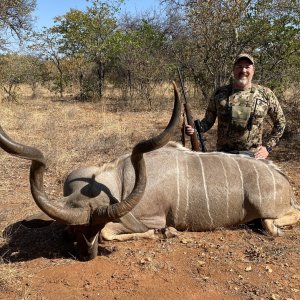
[46,10]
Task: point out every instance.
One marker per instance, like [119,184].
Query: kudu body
[196,191]
[185,190]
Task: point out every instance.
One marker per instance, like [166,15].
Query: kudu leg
[271,228]
[290,218]
[118,232]
[272,225]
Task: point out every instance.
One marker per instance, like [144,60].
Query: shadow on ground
[24,244]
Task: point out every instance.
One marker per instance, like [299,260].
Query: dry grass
[11,276]
[70,135]
[70,131]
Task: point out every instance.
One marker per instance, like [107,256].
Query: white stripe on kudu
[258,185]
[242,180]
[274,183]
[205,190]
[226,187]
[187,193]
[178,189]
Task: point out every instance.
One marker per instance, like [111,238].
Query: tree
[35,72]
[19,69]
[47,45]
[141,62]
[216,31]
[90,35]
[15,19]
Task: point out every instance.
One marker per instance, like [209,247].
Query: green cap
[244,56]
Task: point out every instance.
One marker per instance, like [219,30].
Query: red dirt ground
[237,263]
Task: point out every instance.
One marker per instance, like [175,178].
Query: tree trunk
[100,72]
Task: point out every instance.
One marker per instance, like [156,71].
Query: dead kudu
[185,190]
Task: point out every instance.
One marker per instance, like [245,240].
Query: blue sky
[47,10]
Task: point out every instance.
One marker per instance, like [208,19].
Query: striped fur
[198,191]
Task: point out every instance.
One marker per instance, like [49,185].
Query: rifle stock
[201,137]
[194,139]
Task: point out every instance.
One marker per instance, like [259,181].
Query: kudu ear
[37,221]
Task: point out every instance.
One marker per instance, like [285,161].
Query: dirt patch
[236,263]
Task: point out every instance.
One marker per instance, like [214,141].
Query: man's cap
[244,56]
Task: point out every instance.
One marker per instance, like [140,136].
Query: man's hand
[189,130]
[261,152]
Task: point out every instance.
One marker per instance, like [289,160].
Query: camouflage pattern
[262,102]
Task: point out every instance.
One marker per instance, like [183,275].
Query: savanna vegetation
[107,55]
[87,89]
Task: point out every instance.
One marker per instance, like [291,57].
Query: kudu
[185,190]
[93,196]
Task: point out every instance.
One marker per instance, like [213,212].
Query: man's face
[243,72]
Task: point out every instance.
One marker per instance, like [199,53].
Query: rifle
[200,135]
[197,137]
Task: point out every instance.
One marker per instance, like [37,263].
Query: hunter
[241,108]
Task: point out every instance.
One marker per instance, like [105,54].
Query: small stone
[201,262]
[268,269]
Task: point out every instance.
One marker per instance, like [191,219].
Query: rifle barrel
[194,139]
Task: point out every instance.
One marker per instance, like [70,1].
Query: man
[241,108]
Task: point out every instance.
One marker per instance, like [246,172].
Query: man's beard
[243,81]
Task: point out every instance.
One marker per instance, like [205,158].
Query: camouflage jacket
[254,105]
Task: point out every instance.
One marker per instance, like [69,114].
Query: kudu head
[86,220]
